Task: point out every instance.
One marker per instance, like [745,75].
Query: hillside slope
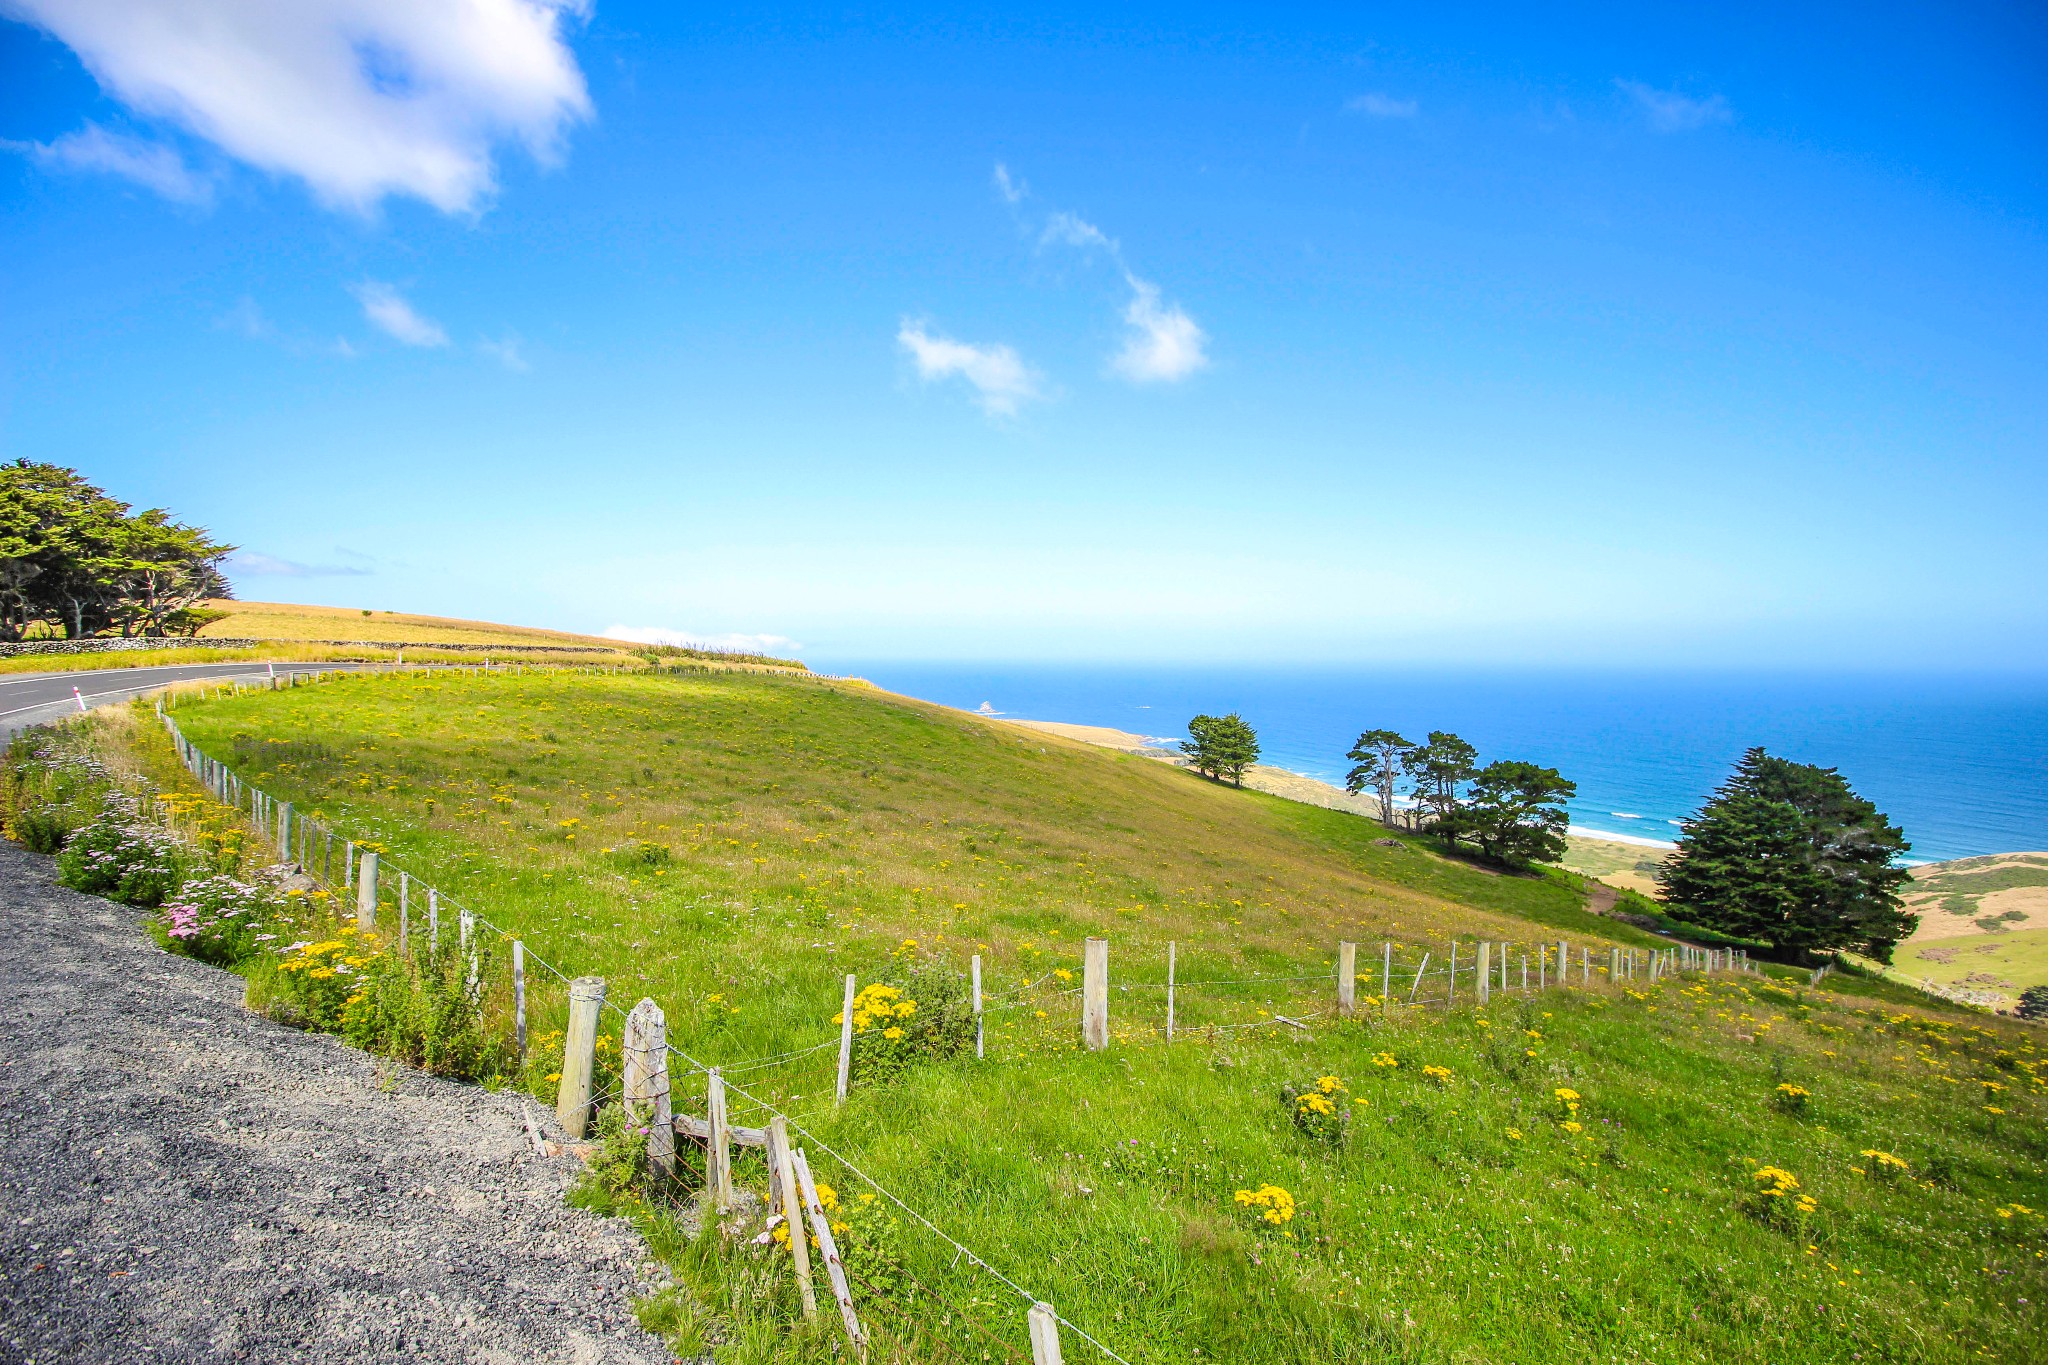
[296,621]
[732,845]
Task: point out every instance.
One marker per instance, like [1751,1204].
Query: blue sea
[1961,764]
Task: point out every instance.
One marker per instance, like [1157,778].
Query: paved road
[182,1180]
[31,698]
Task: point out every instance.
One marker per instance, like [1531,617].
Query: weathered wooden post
[519,995]
[1418,977]
[644,1085]
[366,892]
[1452,997]
[1095,994]
[1045,1335]
[1525,973]
[1347,978]
[1482,980]
[835,1269]
[284,829]
[1564,963]
[433,922]
[466,945]
[845,1042]
[579,1054]
[348,859]
[976,972]
[791,1207]
[1169,991]
[1386,976]
[718,1149]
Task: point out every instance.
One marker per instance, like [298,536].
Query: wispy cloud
[358,98]
[1002,381]
[256,564]
[1378,105]
[1165,345]
[247,317]
[1013,191]
[507,351]
[685,639]
[387,309]
[1672,112]
[152,165]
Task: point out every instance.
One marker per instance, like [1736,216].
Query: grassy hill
[732,844]
[295,621]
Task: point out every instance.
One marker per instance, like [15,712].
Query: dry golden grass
[292,621]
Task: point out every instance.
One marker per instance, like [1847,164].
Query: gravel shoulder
[183,1180]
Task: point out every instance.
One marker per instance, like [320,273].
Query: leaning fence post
[718,1151]
[1347,978]
[976,971]
[1418,977]
[835,1270]
[792,1211]
[579,1054]
[518,995]
[1095,994]
[1045,1335]
[366,892]
[643,1087]
[845,1042]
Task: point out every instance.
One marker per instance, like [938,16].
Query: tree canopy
[1515,812]
[77,562]
[1221,747]
[1378,755]
[1788,854]
[1440,766]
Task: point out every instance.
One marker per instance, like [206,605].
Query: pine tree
[1788,854]
[1378,755]
[1221,747]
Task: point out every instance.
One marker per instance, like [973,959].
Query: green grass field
[812,829]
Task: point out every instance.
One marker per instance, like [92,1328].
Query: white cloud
[1065,229]
[1165,344]
[683,639]
[1382,106]
[387,309]
[149,164]
[1001,379]
[507,352]
[358,98]
[260,565]
[1671,112]
[1013,191]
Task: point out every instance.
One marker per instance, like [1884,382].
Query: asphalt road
[31,698]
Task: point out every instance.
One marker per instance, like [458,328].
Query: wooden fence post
[1347,978]
[1095,994]
[845,1042]
[518,995]
[791,1208]
[348,855]
[1418,977]
[1482,980]
[975,967]
[1386,976]
[366,892]
[644,1085]
[579,1054]
[1045,1335]
[718,1151]
[284,829]
[433,922]
[835,1270]
[1169,991]
[1452,997]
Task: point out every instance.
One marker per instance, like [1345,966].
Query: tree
[2034,1003]
[1439,766]
[1378,755]
[1221,747]
[75,560]
[1787,853]
[1515,812]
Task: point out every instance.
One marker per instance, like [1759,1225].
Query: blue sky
[1597,337]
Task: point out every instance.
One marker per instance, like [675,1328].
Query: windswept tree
[1787,853]
[1378,755]
[78,562]
[1221,747]
[1515,812]
[1439,767]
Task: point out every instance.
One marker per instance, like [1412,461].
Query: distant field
[2007,963]
[290,621]
[1633,866]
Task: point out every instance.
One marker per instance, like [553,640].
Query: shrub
[216,919]
[39,828]
[120,858]
[1789,1098]
[312,985]
[1776,1199]
[421,1011]
[1270,1204]
[2034,1003]
[926,1018]
[1881,1166]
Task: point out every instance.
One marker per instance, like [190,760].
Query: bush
[928,1017]
[422,1012]
[120,858]
[1321,1109]
[216,919]
[39,828]
[2034,1003]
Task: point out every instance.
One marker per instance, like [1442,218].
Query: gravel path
[182,1180]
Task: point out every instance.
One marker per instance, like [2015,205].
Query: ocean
[1961,764]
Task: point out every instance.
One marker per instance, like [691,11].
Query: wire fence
[308,842]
